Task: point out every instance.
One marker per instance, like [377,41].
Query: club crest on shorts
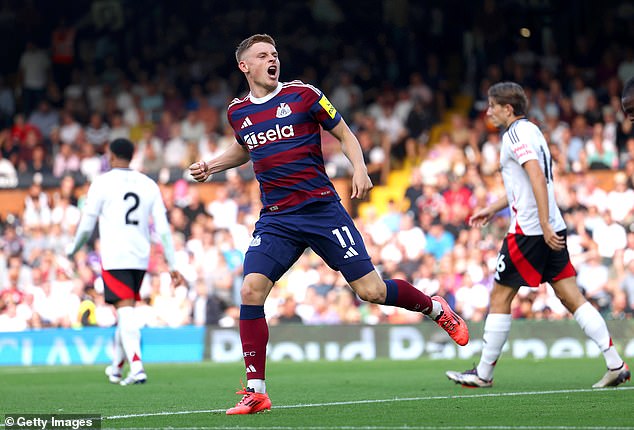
[256,241]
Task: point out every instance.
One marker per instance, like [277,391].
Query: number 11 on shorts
[339,236]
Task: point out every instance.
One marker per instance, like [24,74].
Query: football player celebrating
[277,126]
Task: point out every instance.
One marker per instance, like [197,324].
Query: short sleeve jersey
[521,142]
[282,134]
[125,201]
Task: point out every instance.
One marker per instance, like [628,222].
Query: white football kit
[125,201]
[521,142]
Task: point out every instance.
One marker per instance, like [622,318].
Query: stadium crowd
[400,104]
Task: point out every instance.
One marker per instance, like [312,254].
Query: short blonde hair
[250,41]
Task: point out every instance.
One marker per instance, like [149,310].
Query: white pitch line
[397,399]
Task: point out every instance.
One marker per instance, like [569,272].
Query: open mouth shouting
[271,71]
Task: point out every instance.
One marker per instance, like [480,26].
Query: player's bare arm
[361,183]
[481,217]
[236,155]
[82,234]
[163,230]
[538,183]
[88,220]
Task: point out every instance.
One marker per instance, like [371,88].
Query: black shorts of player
[122,284]
[529,261]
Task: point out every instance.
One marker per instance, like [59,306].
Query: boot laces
[447,322]
[245,392]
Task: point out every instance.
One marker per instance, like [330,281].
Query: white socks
[257,384]
[497,327]
[130,337]
[496,331]
[118,355]
[436,309]
[593,325]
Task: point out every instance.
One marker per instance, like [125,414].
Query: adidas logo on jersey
[351,252]
[253,139]
[246,123]
[251,369]
[283,110]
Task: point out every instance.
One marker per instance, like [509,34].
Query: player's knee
[569,293]
[248,294]
[370,288]
[372,294]
[501,302]
[124,303]
[572,301]
[251,293]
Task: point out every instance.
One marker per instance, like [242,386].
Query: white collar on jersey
[266,98]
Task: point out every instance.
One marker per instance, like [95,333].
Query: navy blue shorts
[325,227]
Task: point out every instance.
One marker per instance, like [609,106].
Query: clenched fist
[200,171]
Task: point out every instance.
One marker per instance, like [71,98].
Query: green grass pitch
[381,394]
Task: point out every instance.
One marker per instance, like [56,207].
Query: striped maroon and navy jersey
[282,134]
